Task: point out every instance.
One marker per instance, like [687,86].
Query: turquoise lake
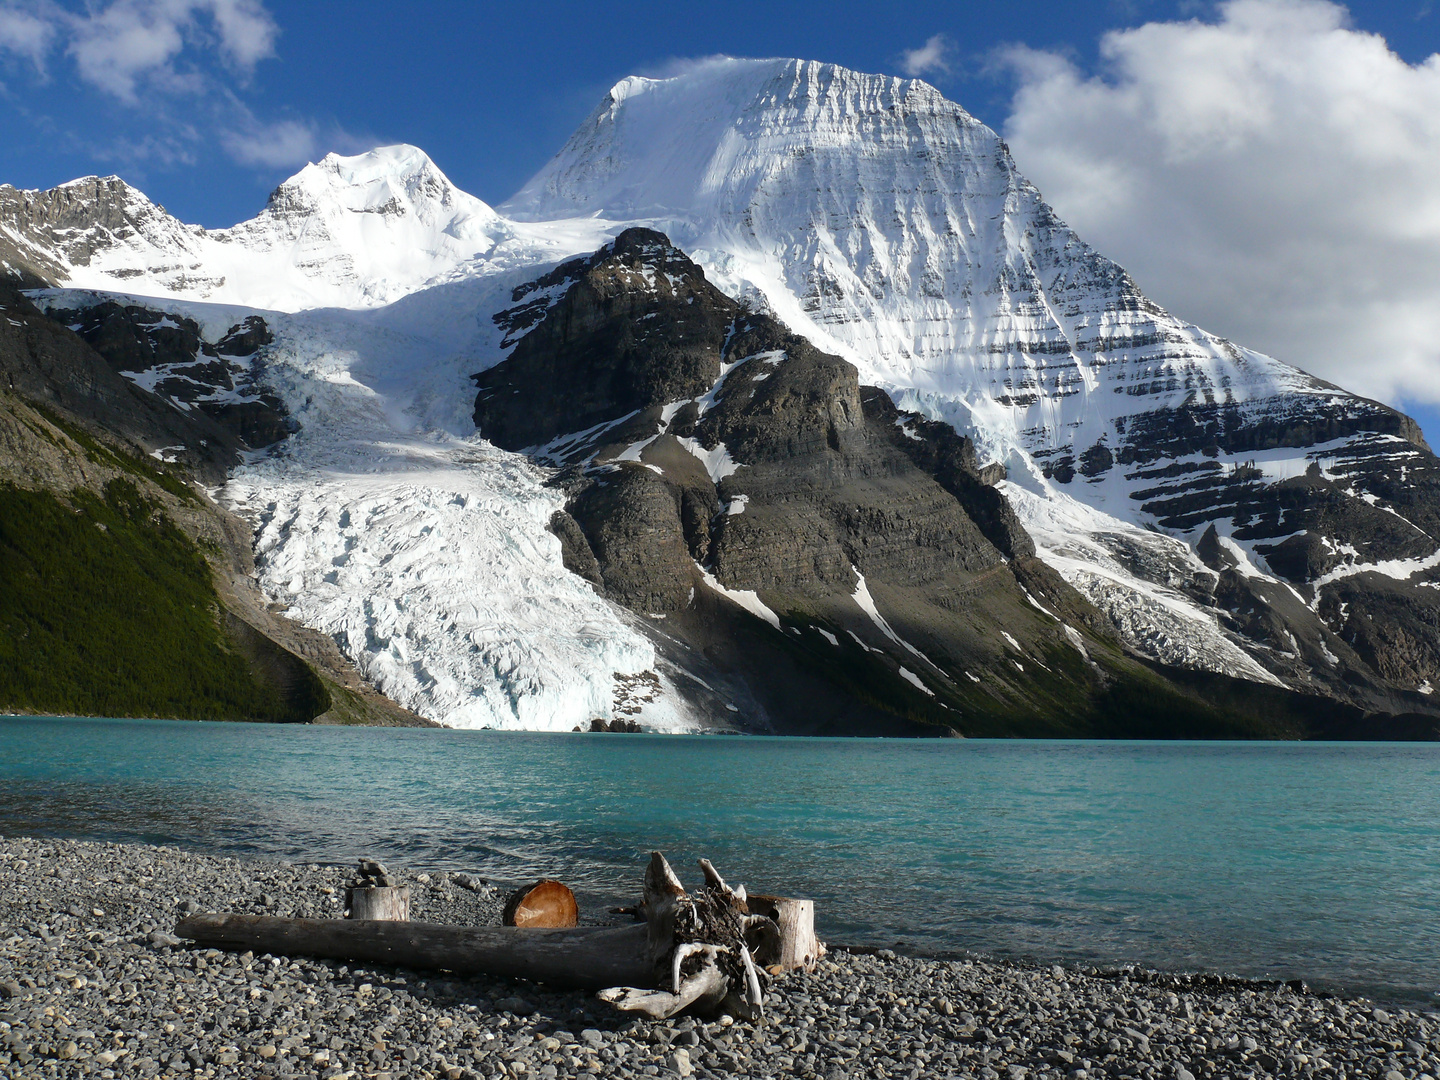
[1269,860]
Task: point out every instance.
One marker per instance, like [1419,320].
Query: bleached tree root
[710,934]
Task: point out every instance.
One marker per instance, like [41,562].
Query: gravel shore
[92,985]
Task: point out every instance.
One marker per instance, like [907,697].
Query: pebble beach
[93,983]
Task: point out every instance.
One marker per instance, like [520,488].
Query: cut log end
[545,904]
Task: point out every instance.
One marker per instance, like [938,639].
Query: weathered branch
[704,990]
[590,958]
[710,926]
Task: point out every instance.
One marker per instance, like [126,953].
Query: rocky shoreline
[92,984]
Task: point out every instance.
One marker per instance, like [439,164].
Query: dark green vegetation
[122,589]
[108,610]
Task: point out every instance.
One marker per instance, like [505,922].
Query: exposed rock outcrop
[781,527]
[168,355]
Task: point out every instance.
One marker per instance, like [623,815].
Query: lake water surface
[1274,860]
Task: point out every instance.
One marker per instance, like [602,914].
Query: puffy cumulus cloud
[1270,175]
[929,57]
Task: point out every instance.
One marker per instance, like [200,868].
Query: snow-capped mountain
[1227,511]
[344,232]
[882,221]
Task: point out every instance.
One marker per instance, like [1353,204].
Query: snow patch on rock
[746,598]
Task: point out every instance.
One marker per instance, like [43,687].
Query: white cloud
[148,53]
[1271,175]
[278,145]
[246,30]
[25,34]
[929,57]
[117,46]
[288,143]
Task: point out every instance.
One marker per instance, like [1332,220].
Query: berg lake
[1269,860]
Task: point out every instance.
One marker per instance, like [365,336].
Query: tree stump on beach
[796,946]
[375,896]
[545,904]
[380,902]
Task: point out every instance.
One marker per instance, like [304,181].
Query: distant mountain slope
[124,590]
[345,232]
[1227,513]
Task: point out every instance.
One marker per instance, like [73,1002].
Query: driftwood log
[706,952]
[587,958]
[699,948]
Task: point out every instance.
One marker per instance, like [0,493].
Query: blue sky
[207,104]
[490,91]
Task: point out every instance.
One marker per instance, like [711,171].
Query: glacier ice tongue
[425,555]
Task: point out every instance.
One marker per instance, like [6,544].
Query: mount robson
[778,401]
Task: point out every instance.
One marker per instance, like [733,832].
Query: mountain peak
[713,133]
[393,181]
[399,163]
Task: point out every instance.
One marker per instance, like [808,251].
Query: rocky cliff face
[844,565]
[170,357]
[93,223]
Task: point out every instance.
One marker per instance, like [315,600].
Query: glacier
[868,213]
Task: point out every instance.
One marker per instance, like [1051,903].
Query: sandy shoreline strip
[90,986]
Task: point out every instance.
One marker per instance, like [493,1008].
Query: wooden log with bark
[587,958]
[704,952]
